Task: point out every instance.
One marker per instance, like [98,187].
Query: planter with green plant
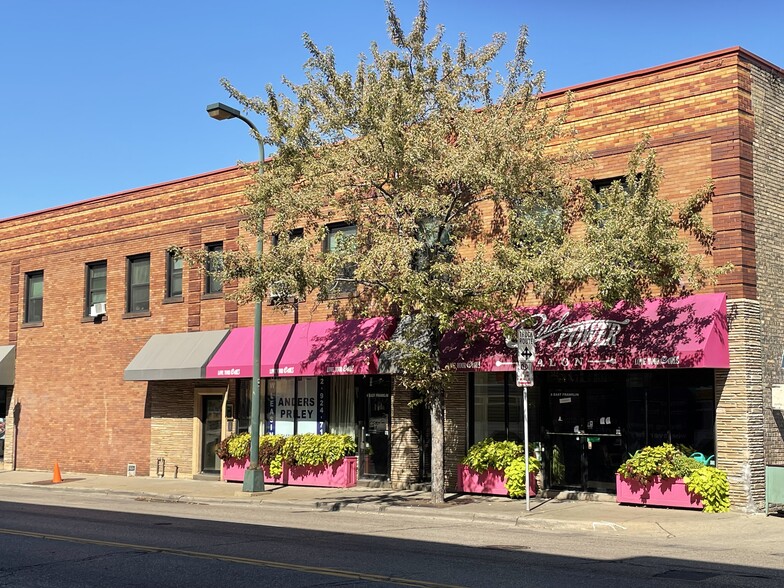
[304,460]
[234,450]
[498,468]
[665,476]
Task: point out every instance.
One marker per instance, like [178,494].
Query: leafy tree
[460,200]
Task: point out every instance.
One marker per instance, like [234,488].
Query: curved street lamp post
[254,475]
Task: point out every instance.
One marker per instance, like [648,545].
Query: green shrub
[514,475]
[712,485]
[496,454]
[666,461]
[234,447]
[305,449]
[506,456]
[310,449]
[663,460]
[269,448]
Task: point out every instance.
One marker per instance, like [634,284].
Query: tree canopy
[460,201]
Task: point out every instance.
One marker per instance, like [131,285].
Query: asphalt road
[85,540]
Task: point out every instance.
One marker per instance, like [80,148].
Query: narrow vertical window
[138,281]
[213,285]
[173,275]
[95,285]
[34,297]
[337,239]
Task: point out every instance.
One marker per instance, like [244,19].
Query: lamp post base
[253,481]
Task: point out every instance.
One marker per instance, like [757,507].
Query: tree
[460,200]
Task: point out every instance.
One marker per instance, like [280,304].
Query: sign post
[524,369]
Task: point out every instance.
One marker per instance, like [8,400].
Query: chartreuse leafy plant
[416,147]
[305,449]
[712,485]
[313,450]
[665,461]
[506,456]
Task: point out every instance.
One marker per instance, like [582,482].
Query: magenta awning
[687,332]
[304,349]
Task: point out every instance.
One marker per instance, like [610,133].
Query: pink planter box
[668,492]
[489,482]
[341,474]
[234,471]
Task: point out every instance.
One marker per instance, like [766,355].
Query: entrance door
[211,408]
[375,410]
[585,442]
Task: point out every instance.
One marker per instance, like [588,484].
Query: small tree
[460,201]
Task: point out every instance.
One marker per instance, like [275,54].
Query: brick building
[83,390]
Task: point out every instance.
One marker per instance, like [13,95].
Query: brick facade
[768,103]
[718,116]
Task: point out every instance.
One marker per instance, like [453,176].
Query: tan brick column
[739,416]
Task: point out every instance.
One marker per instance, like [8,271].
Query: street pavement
[600,514]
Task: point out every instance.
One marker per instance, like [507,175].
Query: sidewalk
[600,515]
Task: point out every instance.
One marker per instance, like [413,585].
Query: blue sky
[100,96]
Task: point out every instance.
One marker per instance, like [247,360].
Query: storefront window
[342,404]
[291,407]
[243,406]
[498,410]
[489,406]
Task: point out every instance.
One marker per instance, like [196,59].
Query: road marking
[234,559]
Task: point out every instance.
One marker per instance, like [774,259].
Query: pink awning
[687,332]
[304,349]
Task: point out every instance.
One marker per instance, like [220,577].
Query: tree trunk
[437,448]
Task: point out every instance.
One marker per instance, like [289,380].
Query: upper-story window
[138,283]
[341,235]
[95,284]
[277,293]
[212,284]
[34,297]
[173,275]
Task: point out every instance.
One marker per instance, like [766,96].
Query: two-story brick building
[161,372]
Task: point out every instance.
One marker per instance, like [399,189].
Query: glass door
[585,425]
[211,409]
[375,409]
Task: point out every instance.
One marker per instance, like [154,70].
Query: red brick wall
[76,408]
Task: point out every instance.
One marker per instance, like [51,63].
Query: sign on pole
[524,369]
[526,347]
[525,374]
[526,354]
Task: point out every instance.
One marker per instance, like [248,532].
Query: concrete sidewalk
[601,514]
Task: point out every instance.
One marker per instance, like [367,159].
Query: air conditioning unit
[98,309]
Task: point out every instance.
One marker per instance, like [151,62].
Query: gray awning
[7,364]
[175,356]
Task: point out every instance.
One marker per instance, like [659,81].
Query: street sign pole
[524,372]
[525,433]
[526,353]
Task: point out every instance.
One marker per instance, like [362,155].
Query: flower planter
[489,482]
[656,492]
[234,471]
[341,474]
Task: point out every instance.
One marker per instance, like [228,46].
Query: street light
[254,476]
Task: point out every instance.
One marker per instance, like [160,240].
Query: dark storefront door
[210,433]
[375,411]
[584,440]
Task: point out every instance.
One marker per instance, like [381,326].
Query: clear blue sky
[101,96]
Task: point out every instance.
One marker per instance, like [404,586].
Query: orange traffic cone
[56,477]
